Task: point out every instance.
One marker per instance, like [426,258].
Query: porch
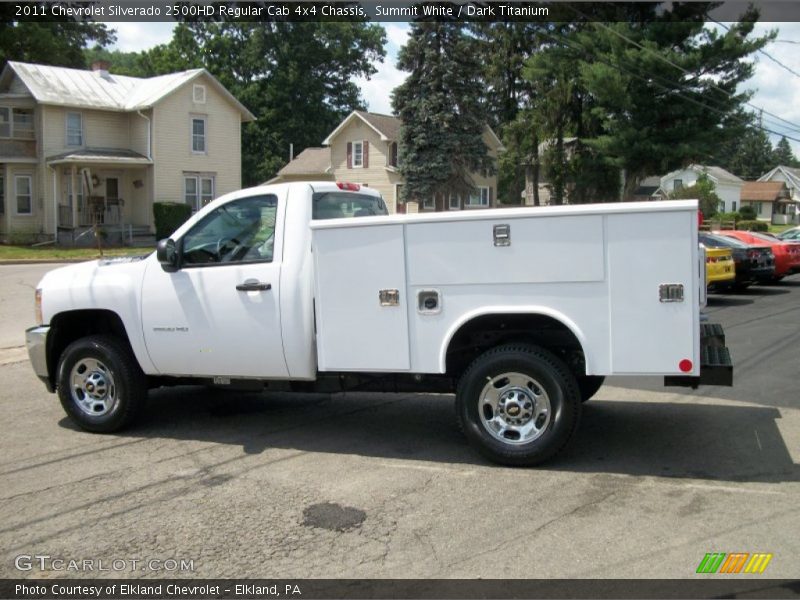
[103,191]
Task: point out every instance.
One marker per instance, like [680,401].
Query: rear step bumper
[716,366]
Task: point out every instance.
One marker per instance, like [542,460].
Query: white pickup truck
[521,312]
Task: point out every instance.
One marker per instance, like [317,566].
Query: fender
[532,310]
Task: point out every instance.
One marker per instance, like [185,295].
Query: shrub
[747,212]
[169,216]
[752,226]
[729,216]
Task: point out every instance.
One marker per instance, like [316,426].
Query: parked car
[720,269]
[787,254]
[753,263]
[790,235]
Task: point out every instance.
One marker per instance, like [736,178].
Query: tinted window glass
[345,205]
[242,230]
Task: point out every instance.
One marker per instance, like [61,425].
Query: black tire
[109,365]
[546,371]
[589,385]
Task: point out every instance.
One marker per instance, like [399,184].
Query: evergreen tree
[783,155]
[665,89]
[441,137]
[753,155]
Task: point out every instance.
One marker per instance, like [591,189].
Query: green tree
[783,155]
[665,88]
[441,138]
[704,192]
[58,42]
[753,155]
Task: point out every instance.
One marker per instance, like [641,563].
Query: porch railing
[91,213]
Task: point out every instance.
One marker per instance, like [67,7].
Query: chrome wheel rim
[514,408]
[92,387]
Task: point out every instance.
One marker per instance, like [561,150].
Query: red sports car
[787,254]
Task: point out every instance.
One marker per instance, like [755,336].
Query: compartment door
[355,330]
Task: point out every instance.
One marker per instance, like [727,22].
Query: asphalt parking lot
[371,485]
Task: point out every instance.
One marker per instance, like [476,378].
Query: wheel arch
[532,318]
[71,325]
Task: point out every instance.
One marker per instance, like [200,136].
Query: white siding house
[727,185]
[80,147]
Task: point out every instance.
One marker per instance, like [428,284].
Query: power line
[649,81]
[764,52]
[795,126]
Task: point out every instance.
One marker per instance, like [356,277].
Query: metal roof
[78,88]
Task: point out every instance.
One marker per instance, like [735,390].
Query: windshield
[766,238]
[345,205]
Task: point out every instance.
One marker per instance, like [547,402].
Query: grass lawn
[56,253]
[776,229]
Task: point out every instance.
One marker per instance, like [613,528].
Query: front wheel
[518,405]
[100,384]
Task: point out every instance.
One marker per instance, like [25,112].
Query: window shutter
[394,154]
[366,154]
[490,195]
[349,155]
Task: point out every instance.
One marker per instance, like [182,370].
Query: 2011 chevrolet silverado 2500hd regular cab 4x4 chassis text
[521,312]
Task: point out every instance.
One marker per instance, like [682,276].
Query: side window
[239,231]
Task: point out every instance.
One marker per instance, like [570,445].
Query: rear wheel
[518,405]
[100,384]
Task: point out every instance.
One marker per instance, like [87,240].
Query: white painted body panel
[595,268]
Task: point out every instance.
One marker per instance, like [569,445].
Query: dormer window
[74,129]
[199,94]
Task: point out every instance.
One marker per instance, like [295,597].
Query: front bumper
[36,342]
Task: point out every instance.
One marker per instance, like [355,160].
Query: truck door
[219,313]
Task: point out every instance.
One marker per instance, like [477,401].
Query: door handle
[252,285]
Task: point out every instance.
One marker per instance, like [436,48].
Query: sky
[776,90]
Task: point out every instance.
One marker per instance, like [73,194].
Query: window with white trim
[23,189]
[199,145]
[16,123]
[199,94]
[677,185]
[429,203]
[733,206]
[454,202]
[478,198]
[23,123]
[358,154]
[198,190]
[74,129]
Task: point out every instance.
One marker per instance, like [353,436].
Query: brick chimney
[101,67]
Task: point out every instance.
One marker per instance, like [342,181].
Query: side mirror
[167,255]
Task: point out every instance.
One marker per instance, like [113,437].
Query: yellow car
[720,269]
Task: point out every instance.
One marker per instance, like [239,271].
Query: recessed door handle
[251,285]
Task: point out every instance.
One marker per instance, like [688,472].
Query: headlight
[38,307]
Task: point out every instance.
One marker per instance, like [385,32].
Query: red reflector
[685,365]
[350,187]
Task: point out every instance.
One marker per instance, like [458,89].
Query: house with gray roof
[363,149]
[726,185]
[80,148]
[791,177]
